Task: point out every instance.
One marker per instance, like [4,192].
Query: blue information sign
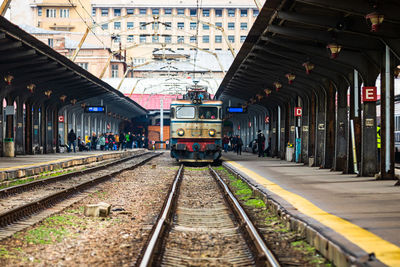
[235,110]
[95,109]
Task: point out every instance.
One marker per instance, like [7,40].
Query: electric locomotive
[196,127]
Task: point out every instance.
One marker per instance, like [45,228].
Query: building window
[181,11]
[218,24]
[168,11]
[231,12]
[168,39]
[83,65]
[231,26]
[50,42]
[155,39]
[181,25]
[193,25]
[206,12]
[104,12]
[206,27]
[193,12]
[129,11]
[50,13]
[180,48]
[104,26]
[181,39]
[117,12]
[243,26]
[218,38]
[64,13]
[218,12]
[243,12]
[114,71]
[117,39]
[138,60]
[168,25]
[129,25]
[39,11]
[231,38]
[117,25]
[242,38]
[155,26]
[255,12]
[192,39]
[143,11]
[155,11]
[206,39]
[129,39]
[143,38]
[143,25]
[218,49]
[93,12]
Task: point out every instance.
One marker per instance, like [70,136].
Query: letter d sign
[298,112]
[369,93]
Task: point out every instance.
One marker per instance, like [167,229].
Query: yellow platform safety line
[43,163]
[385,251]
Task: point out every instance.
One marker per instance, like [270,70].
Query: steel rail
[262,249]
[159,230]
[27,186]
[26,210]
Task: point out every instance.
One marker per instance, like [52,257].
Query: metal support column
[341,129]
[19,129]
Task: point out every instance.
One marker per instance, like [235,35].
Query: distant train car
[196,127]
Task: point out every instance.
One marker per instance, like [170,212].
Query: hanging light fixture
[73,101]
[31,87]
[334,49]
[8,78]
[63,97]
[376,20]
[278,86]
[259,97]
[267,91]
[290,77]
[83,105]
[308,66]
[397,72]
[48,93]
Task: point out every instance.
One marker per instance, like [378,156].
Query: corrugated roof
[35,30]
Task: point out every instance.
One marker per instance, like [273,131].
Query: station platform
[26,165]
[360,215]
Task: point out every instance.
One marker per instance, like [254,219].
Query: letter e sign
[369,94]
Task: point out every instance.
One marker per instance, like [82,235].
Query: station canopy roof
[29,61]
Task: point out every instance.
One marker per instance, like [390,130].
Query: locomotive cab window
[172,113]
[185,112]
[208,113]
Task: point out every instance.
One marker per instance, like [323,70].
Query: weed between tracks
[289,247]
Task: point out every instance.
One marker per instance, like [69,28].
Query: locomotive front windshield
[185,112]
[208,113]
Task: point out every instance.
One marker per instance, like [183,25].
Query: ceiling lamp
[83,105]
[259,97]
[63,97]
[267,91]
[334,49]
[278,86]
[8,78]
[376,20]
[48,93]
[308,66]
[290,77]
[31,87]
[73,101]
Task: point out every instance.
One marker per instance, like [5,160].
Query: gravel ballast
[71,239]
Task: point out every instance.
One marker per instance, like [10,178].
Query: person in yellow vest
[378,142]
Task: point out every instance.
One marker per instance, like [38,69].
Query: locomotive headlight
[181,132]
[211,132]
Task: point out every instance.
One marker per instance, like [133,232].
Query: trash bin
[9,148]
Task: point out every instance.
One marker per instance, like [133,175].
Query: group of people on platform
[235,143]
[106,141]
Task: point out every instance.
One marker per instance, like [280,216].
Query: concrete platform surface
[364,211]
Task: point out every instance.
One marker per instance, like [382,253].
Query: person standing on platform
[102,142]
[260,143]
[128,140]
[225,142]
[131,140]
[122,141]
[239,144]
[93,141]
[71,140]
[268,150]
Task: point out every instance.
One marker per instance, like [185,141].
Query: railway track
[202,224]
[19,202]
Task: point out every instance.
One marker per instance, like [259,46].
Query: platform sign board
[298,111]
[61,118]
[95,109]
[369,93]
[236,110]
[266,119]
